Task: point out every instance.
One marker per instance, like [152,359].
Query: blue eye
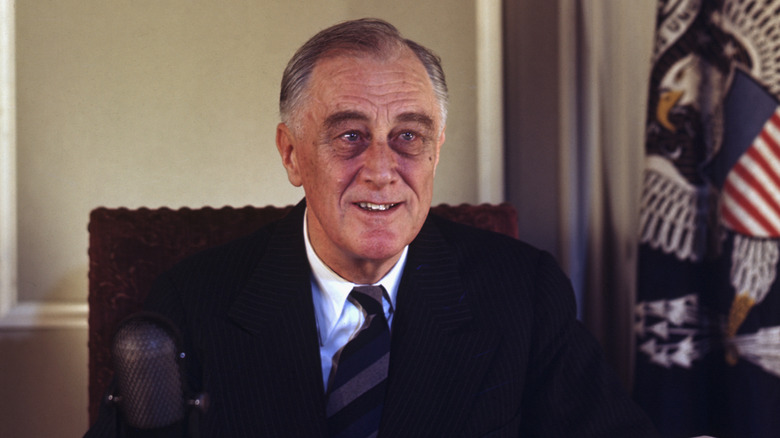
[407,136]
[351,136]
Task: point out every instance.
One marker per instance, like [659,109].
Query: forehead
[370,83]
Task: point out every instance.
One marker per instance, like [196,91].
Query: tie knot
[369,298]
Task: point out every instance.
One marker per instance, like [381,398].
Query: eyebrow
[422,119]
[335,119]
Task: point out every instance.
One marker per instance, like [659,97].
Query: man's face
[365,147]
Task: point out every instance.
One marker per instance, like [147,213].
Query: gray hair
[364,36]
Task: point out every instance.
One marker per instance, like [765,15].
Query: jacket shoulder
[479,242]
[508,272]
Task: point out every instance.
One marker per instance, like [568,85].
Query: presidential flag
[707,319]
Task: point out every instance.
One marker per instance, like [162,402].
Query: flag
[707,318]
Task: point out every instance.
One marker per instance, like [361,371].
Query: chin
[380,250]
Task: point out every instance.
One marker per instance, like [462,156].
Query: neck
[364,271]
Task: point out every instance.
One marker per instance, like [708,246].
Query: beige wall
[167,103]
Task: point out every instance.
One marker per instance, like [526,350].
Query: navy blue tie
[357,382]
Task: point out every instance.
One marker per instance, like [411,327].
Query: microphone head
[147,365]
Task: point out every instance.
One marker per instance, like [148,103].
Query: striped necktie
[356,387]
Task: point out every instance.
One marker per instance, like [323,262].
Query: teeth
[375,207]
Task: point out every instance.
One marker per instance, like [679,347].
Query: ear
[286,144]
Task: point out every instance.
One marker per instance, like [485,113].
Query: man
[470,333]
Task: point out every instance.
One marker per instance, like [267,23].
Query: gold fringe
[739,309]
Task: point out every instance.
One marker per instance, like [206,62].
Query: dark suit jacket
[484,341]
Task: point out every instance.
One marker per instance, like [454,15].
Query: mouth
[370,206]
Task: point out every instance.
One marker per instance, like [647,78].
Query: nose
[379,166]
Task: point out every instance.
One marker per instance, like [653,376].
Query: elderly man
[359,313]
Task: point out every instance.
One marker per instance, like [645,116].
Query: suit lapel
[276,307]
[280,284]
[439,354]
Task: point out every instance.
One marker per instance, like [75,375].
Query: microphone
[148,368]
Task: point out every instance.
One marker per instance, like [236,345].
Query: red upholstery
[128,249]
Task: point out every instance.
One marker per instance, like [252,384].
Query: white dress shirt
[337,318]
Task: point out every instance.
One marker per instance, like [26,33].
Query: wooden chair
[128,249]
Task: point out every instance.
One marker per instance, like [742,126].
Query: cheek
[419,175]
[331,177]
